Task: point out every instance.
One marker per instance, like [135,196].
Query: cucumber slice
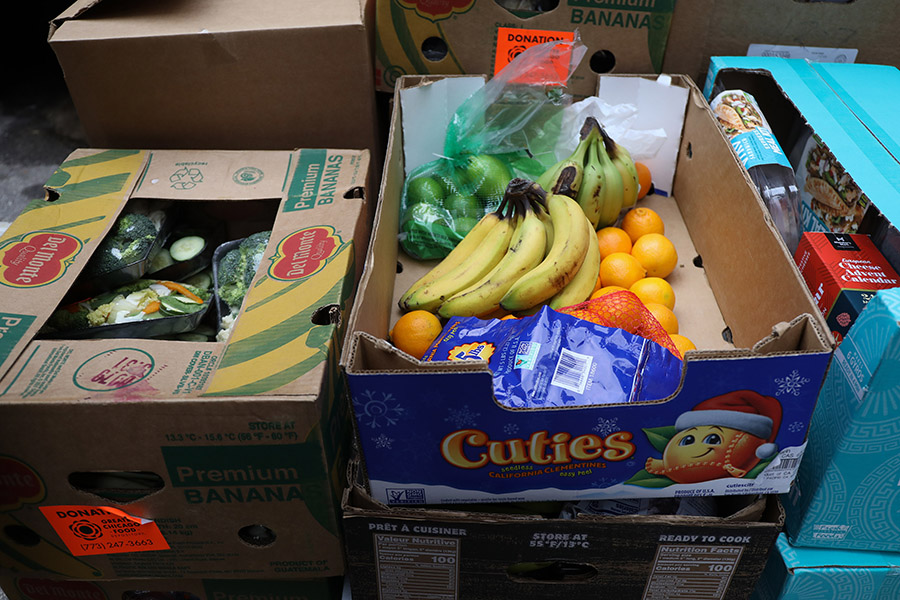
[187,247]
[162,260]
[202,280]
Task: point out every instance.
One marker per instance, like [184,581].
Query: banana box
[168,456]
[434,432]
[457,37]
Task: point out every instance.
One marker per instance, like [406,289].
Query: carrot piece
[177,287]
[152,307]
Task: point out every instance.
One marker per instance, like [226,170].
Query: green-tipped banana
[456,257]
[565,176]
[625,164]
[526,249]
[570,244]
[582,285]
[613,190]
[478,263]
[593,184]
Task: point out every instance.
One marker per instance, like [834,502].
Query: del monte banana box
[453,37]
[139,457]
[432,432]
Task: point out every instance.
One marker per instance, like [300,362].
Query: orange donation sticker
[87,530]
[512,42]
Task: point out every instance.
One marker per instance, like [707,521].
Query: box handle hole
[330,314]
[357,192]
[688,151]
[399,267]
[527,10]
[551,571]
[158,595]
[118,486]
[21,535]
[698,261]
[257,535]
[602,61]
[726,335]
[434,49]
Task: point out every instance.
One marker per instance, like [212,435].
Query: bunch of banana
[600,176]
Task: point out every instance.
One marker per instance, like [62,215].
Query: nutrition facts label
[412,567]
[695,572]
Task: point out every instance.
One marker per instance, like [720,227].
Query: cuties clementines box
[133,457]
[433,432]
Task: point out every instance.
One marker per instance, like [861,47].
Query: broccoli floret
[69,318]
[130,239]
[238,267]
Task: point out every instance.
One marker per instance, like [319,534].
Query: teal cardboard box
[818,574]
[846,493]
[843,170]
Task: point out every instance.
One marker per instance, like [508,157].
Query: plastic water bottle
[765,161]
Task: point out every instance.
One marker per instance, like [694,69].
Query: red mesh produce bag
[624,310]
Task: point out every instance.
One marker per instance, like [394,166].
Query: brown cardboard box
[230,74]
[485,552]
[234,450]
[704,28]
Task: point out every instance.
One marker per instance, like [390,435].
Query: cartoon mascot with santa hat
[723,436]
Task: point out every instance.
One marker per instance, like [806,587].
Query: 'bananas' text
[540,449]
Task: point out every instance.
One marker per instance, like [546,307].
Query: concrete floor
[38,123]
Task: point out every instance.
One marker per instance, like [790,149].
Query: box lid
[95,19]
[796,557]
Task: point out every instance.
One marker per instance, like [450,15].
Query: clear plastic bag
[508,128]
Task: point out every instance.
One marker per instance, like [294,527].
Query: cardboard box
[823,30]
[807,115]
[204,75]
[843,271]
[846,491]
[239,446]
[35,588]
[448,553]
[480,36]
[748,284]
[793,572]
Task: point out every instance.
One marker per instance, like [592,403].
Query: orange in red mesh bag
[623,310]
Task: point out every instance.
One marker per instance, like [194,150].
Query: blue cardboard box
[433,432]
[829,138]
[846,494]
[794,573]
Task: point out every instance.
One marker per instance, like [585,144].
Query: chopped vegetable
[237,269]
[181,289]
[202,280]
[162,260]
[130,239]
[187,247]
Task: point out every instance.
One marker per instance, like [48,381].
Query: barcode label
[571,371]
[786,464]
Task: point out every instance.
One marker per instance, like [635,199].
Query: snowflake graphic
[791,384]
[510,429]
[606,426]
[603,482]
[461,417]
[382,441]
[377,409]
[796,426]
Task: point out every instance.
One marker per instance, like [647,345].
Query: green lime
[486,174]
[463,225]
[462,205]
[424,189]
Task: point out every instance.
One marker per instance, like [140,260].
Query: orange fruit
[613,239]
[664,315]
[643,178]
[656,253]
[414,332]
[621,269]
[607,290]
[641,221]
[682,343]
[654,289]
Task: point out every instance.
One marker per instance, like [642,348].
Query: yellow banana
[526,249]
[548,226]
[456,257]
[582,285]
[478,263]
[613,196]
[625,164]
[565,176]
[570,243]
[593,184]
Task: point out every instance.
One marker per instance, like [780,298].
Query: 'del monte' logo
[19,484]
[304,253]
[38,258]
[46,589]
[436,10]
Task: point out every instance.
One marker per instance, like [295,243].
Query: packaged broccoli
[234,267]
[142,309]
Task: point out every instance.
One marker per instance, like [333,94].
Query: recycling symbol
[186,178]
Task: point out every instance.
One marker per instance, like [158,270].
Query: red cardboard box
[843,272]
